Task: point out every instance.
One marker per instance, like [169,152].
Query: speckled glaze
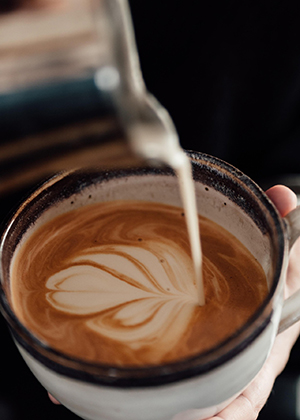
[194,388]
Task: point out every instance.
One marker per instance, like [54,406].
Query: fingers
[248,405]
[284,199]
[240,409]
[54,400]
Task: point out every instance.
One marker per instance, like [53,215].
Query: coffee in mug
[190,385]
[113,283]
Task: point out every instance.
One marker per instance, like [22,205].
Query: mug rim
[152,375]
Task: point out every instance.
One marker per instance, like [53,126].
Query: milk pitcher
[71,90]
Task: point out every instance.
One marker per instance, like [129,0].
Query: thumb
[284,199]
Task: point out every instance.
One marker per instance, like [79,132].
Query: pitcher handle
[291,306]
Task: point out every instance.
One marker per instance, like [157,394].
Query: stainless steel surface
[45,49]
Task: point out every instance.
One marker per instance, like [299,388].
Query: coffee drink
[114,283]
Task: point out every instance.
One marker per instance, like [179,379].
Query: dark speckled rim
[213,173]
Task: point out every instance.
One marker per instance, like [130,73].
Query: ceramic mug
[196,387]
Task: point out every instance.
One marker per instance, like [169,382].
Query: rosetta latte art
[114,283]
[118,286]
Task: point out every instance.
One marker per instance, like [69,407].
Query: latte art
[114,282]
[116,286]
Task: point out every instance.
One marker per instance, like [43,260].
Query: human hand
[248,405]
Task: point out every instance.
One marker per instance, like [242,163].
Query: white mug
[199,386]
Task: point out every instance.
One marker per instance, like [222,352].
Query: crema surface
[114,283]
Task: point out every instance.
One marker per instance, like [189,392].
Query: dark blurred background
[229,74]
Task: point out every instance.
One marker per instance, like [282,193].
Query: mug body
[197,387]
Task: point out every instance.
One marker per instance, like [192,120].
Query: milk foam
[163,146]
[114,283]
[143,293]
